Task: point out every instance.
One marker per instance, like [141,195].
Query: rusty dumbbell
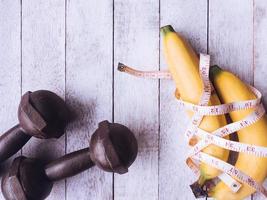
[41,114]
[113,148]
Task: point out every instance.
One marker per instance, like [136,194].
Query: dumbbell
[41,114]
[113,148]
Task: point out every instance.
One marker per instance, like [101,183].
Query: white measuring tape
[216,137]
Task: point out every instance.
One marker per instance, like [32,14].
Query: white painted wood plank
[136,34]
[10,72]
[231,36]
[260,59]
[189,18]
[89,87]
[43,58]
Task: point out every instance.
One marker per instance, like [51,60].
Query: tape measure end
[121,67]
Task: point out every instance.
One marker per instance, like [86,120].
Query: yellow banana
[183,64]
[230,89]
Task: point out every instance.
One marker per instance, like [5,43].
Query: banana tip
[166,29]
[214,71]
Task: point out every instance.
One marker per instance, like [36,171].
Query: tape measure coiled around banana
[216,137]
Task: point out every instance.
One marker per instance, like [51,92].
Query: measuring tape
[216,137]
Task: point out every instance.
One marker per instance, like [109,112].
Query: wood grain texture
[98,35]
[43,58]
[231,37]
[260,59]
[136,42]
[189,18]
[10,72]
[89,88]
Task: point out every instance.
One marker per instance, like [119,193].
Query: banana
[230,89]
[183,64]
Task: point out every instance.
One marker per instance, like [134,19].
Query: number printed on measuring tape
[216,137]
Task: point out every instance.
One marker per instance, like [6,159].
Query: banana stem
[166,29]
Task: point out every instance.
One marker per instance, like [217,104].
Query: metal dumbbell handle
[69,165]
[12,141]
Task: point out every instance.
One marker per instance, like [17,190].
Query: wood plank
[89,87]
[136,42]
[10,72]
[189,18]
[231,36]
[260,59]
[43,58]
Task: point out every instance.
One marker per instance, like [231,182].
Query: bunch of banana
[230,89]
[183,63]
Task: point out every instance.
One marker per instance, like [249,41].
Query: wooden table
[72,47]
